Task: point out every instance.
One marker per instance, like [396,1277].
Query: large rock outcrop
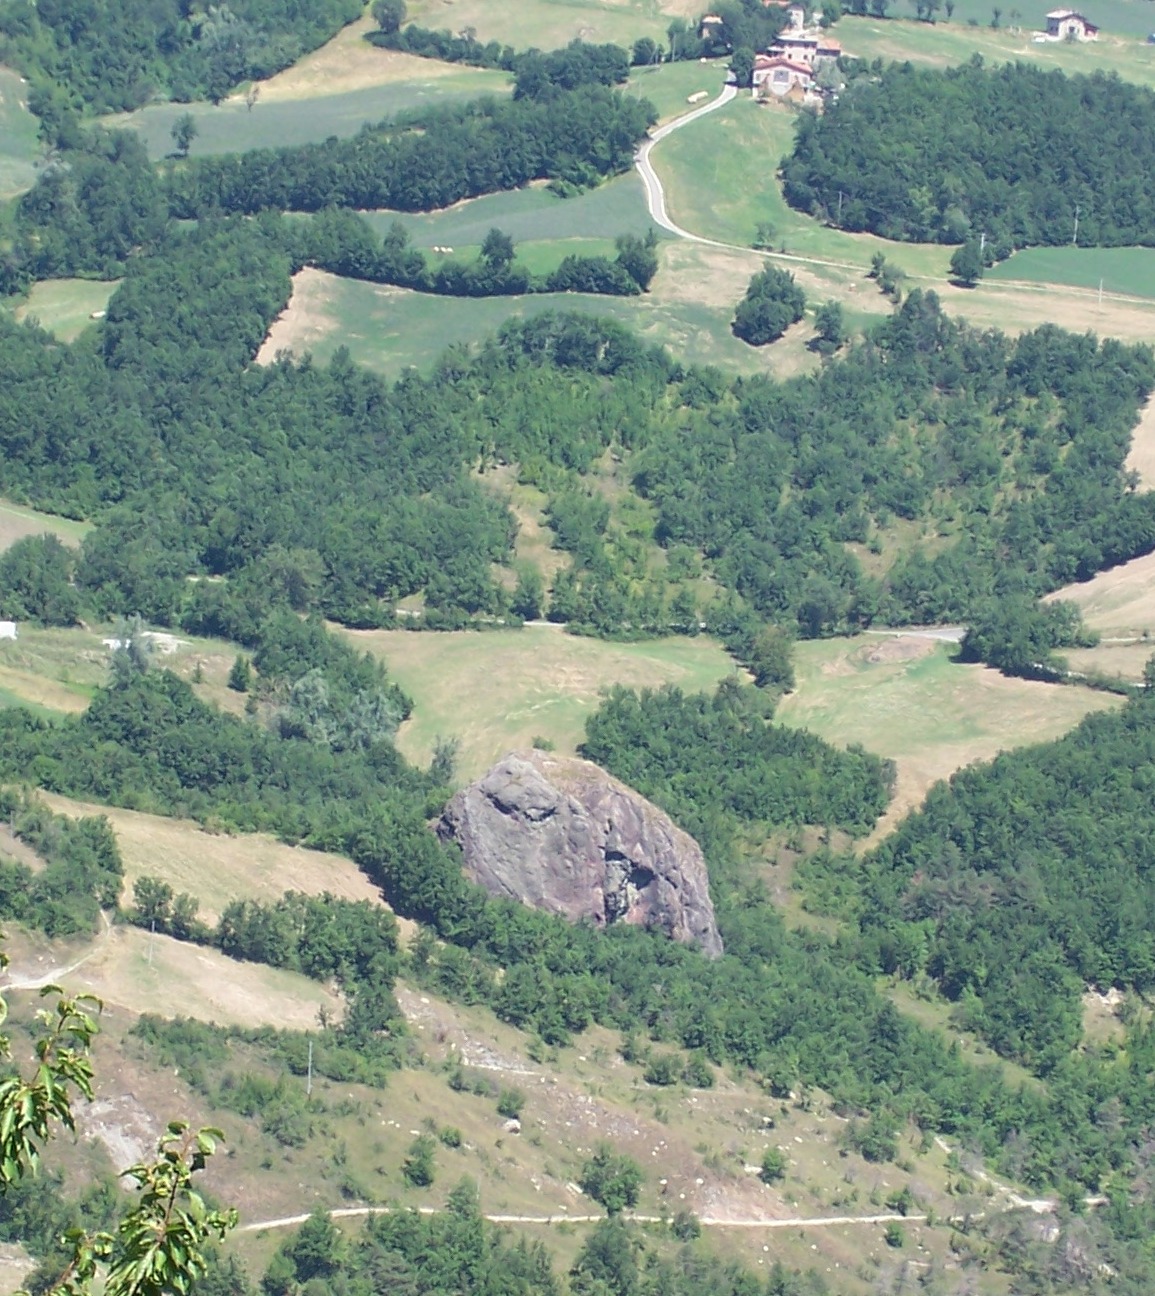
[560,834]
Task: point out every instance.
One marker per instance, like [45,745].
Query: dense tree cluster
[115,55]
[81,874]
[773,302]
[575,137]
[1025,880]
[1015,152]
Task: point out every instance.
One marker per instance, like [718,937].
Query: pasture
[19,144]
[64,307]
[549,24]
[499,690]
[945,44]
[904,698]
[720,181]
[1120,602]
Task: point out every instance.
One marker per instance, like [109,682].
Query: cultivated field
[902,697]
[278,119]
[949,44]
[1126,272]
[217,868]
[65,306]
[499,690]
[533,213]
[547,24]
[19,146]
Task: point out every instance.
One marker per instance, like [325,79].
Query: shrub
[611,1180]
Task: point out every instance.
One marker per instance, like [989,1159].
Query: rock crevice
[560,834]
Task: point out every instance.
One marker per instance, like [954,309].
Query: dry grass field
[216,867]
[136,971]
[904,698]
[498,690]
[17,521]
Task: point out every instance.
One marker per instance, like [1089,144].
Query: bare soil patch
[1141,458]
[306,319]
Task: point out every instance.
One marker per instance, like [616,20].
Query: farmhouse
[805,47]
[782,77]
[1066,24]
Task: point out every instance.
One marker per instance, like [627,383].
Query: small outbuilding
[7,629]
[1066,24]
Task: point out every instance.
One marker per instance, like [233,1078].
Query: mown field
[904,698]
[945,44]
[19,146]
[218,868]
[500,690]
[65,306]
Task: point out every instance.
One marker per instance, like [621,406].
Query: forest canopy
[1014,152]
[103,56]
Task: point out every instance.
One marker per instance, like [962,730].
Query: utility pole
[309,1081]
[1100,294]
[1075,236]
[982,243]
[151,939]
[838,221]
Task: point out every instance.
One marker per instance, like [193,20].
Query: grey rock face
[560,834]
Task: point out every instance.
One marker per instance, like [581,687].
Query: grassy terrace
[19,146]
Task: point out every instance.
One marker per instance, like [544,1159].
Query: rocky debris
[560,834]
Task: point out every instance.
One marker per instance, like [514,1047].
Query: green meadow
[668,86]
[1118,17]
[65,306]
[390,329]
[1127,271]
[534,213]
[721,182]
[945,44]
[230,127]
[19,146]
[499,690]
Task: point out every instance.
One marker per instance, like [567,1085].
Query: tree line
[1017,154]
[101,56]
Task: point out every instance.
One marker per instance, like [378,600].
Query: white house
[1066,24]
